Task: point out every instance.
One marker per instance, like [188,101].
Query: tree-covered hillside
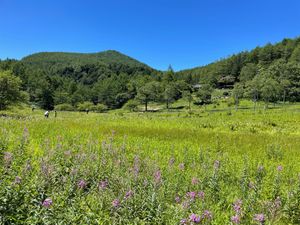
[110,79]
[63,58]
[277,64]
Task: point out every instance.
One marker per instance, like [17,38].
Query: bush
[99,108]
[64,107]
[131,105]
[85,105]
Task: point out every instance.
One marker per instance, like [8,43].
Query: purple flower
[103,184]
[157,177]
[259,218]
[217,164]
[201,194]
[279,168]
[207,215]
[195,181]
[183,221]
[81,184]
[251,185]
[115,203]
[171,161]
[128,194]
[47,202]
[236,219]
[177,199]
[18,180]
[192,195]
[195,218]
[261,168]
[8,157]
[181,166]
[237,206]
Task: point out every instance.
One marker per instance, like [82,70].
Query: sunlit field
[208,166]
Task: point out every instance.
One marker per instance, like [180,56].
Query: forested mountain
[48,59]
[270,73]
[277,64]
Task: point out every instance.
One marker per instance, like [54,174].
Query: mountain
[65,58]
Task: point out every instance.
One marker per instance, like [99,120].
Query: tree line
[111,80]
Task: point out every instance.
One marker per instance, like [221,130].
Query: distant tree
[10,92]
[85,106]
[187,95]
[169,76]
[248,72]
[296,54]
[253,90]
[237,93]
[204,94]
[151,91]
[131,105]
[270,91]
[171,93]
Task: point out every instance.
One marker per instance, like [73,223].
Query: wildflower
[171,161]
[81,184]
[67,153]
[157,176]
[17,180]
[47,202]
[195,181]
[259,218]
[251,185]
[8,157]
[236,219]
[217,164]
[195,218]
[201,194]
[192,195]
[237,205]
[277,203]
[261,168]
[115,203]
[103,184]
[25,133]
[207,215]
[183,221]
[177,199]
[181,166]
[128,194]
[279,168]
[186,204]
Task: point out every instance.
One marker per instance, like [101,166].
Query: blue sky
[183,33]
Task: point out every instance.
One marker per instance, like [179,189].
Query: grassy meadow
[207,166]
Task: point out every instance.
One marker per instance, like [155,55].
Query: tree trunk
[146,106]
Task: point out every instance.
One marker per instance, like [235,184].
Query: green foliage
[126,168]
[151,91]
[10,92]
[131,105]
[85,106]
[64,107]
[99,108]
[204,94]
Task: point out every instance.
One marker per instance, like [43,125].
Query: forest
[110,80]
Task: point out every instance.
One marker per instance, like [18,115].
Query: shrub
[64,107]
[131,105]
[99,108]
[85,105]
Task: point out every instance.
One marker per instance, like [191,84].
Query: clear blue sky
[184,33]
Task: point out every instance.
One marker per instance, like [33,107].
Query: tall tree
[10,90]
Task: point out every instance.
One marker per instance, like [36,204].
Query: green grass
[241,140]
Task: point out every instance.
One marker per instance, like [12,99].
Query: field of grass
[214,166]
